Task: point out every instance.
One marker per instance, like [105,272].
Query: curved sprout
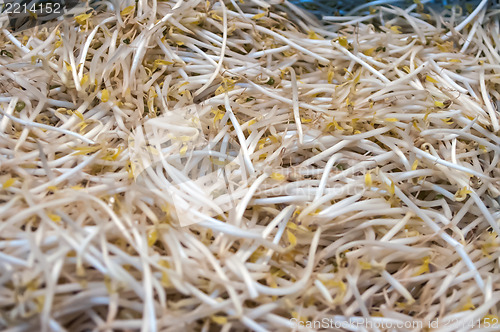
[235,164]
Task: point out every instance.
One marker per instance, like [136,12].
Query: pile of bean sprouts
[230,165]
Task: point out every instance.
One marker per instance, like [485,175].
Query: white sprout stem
[86,47]
[326,173]
[371,3]
[305,277]
[426,155]
[458,247]
[487,102]
[397,286]
[472,32]
[361,62]
[240,209]
[241,136]
[295,98]
[469,19]
[8,112]
[15,41]
[47,127]
[222,51]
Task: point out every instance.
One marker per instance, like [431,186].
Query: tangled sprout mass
[236,165]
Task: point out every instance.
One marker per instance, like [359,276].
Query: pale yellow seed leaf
[390,120]
[343,42]
[426,116]
[291,237]
[165,280]
[164,263]
[424,268]
[312,35]
[446,46]
[278,176]
[83,150]
[216,17]
[82,18]
[54,217]
[183,150]
[335,125]
[104,95]
[160,62]
[414,165]
[259,16]
[152,237]
[68,66]
[392,188]
[368,179]
[8,183]
[396,29]
[468,305]
[84,79]
[79,115]
[430,79]
[127,10]
[220,320]
[369,51]
[461,194]
[330,75]
[365,265]
[335,283]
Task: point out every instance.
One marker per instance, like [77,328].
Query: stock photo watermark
[19,15]
[173,150]
[355,323]
[330,323]
[172,153]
